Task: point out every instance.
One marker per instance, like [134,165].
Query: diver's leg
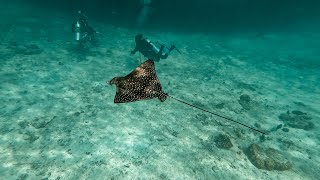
[159,54]
[161,50]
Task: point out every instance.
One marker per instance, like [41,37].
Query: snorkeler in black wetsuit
[150,50]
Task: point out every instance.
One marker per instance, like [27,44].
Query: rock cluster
[297,119]
[267,158]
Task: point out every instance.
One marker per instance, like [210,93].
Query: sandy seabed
[58,119]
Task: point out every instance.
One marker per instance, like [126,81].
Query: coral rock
[245,101]
[269,159]
[223,141]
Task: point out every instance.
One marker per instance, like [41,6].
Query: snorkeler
[150,50]
[82,30]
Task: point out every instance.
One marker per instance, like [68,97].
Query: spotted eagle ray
[142,84]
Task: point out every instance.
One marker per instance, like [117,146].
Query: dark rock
[23,124]
[302,125]
[163,176]
[109,52]
[262,138]
[245,101]
[239,132]
[298,120]
[285,117]
[300,104]
[285,130]
[296,112]
[174,133]
[64,142]
[39,123]
[257,125]
[275,128]
[205,123]
[223,141]
[220,106]
[279,126]
[245,98]
[267,158]
[220,141]
[31,137]
[23,176]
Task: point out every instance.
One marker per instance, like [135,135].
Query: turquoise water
[256,62]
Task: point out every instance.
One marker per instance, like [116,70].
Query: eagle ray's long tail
[216,114]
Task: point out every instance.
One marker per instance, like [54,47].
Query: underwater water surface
[236,98]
